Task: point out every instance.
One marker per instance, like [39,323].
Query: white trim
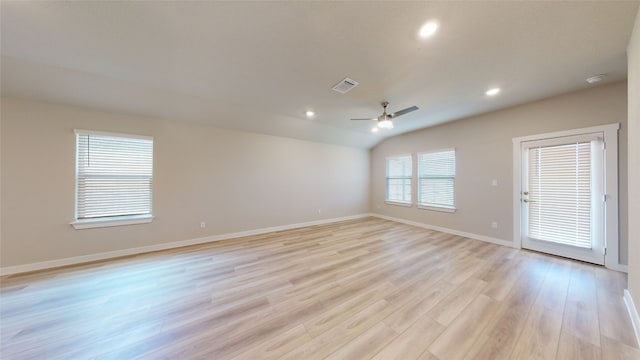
[633,314]
[562,140]
[398,203]
[436,151]
[587,130]
[618,267]
[517,185]
[112,221]
[105,133]
[611,158]
[436,208]
[448,231]
[610,133]
[400,155]
[10,270]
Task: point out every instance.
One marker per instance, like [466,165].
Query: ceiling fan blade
[365,119]
[404,111]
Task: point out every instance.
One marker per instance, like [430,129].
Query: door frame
[610,136]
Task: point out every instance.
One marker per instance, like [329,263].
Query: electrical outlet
[319,211]
[494,182]
[378,206]
[203,225]
[494,225]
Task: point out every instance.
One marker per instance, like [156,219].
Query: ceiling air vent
[345,85]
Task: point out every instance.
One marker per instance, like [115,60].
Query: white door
[562,197]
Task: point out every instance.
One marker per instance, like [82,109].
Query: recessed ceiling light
[428,29]
[493,91]
[374,130]
[596,78]
[310,114]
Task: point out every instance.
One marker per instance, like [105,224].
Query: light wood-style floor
[362,289]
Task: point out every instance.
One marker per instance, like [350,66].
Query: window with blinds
[437,179]
[399,175]
[114,175]
[560,194]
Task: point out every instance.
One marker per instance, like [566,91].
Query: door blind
[560,194]
[114,175]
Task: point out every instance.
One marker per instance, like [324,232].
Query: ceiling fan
[384,120]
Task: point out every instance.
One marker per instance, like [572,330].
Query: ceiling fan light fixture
[384,120]
[385,124]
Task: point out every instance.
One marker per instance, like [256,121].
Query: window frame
[386,181]
[434,207]
[108,221]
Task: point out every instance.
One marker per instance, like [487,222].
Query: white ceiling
[259,66]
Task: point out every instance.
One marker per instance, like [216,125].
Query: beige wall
[234,181]
[238,181]
[633,54]
[484,152]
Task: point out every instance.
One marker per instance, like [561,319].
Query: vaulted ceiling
[260,66]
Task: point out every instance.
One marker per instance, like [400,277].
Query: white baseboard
[10,270]
[448,231]
[633,314]
[617,267]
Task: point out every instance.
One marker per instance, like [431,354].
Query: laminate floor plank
[456,340]
[366,345]
[358,289]
[539,336]
[412,342]
[335,314]
[457,301]
[504,328]
[574,348]
[581,318]
[541,331]
[404,317]
[612,349]
[614,319]
[330,341]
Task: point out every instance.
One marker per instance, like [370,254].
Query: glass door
[562,197]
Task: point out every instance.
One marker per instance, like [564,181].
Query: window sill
[397,203]
[113,221]
[437,208]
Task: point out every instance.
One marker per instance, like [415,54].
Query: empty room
[319,180]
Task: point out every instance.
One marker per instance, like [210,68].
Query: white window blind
[399,175]
[113,175]
[437,179]
[560,194]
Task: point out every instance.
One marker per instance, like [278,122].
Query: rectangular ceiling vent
[345,85]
